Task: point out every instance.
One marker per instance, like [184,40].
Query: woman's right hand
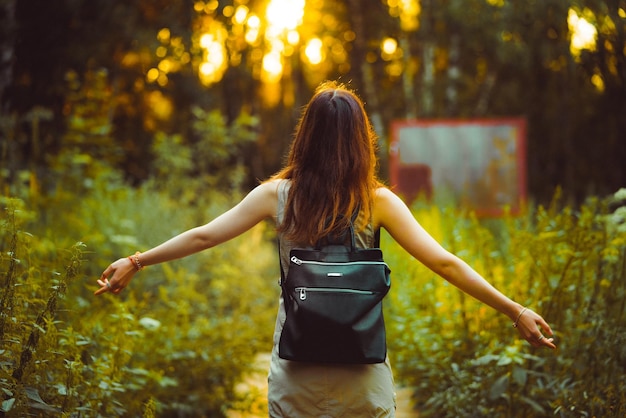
[116,276]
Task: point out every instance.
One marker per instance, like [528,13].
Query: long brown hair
[331,164]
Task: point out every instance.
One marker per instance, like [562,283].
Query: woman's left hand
[532,327]
[116,277]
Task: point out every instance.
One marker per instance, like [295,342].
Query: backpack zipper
[299,262]
[302,291]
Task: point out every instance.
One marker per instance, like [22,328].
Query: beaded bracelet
[135,260]
[518,317]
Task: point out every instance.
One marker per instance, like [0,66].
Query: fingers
[544,326]
[549,342]
[107,285]
[533,329]
[116,276]
[107,272]
[542,341]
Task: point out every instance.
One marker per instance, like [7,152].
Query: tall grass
[465,360]
[175,343]
[32,292]
[178,340]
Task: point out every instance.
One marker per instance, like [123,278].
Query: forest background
[125,122]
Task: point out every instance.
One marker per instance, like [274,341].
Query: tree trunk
[365,72]
[366,75]
[428,60]
[7,38]
[454,73]
[407,78]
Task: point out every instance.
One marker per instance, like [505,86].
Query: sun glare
[214,63]
[283,17]
[389,46]
[241,13]
[598,82]
[407,11]
[583,33]
[313,51]
[272,67]
[254,26]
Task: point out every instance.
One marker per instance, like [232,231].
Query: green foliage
[32,290]
[212,159]
[466,361]
[177,341]
[180,338]
[174,344]
[474,58]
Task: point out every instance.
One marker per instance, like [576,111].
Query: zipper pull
[296,260]
[302,293]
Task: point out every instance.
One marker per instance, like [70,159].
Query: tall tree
[7,39]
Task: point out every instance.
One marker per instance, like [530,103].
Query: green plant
[174,344]
[31,294]
[465,360]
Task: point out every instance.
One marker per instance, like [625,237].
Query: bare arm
[391,213]
[258,205]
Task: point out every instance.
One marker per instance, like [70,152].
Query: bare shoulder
[386,204]
[263,199]
[270,187]
[384,199]
[384,193]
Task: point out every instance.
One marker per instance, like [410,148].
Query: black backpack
[333,299]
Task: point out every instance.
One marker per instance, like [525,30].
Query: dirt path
[254,391]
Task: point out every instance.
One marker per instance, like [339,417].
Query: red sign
[478,164]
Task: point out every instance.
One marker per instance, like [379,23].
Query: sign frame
[501,184]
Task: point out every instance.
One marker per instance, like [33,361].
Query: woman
[330,172]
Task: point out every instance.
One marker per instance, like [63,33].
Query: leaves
[170,329]
[36,402]
[466,360]
[7,404]
[120,73]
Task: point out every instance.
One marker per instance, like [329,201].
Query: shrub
[175,342]
[466,361]
[179,339]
